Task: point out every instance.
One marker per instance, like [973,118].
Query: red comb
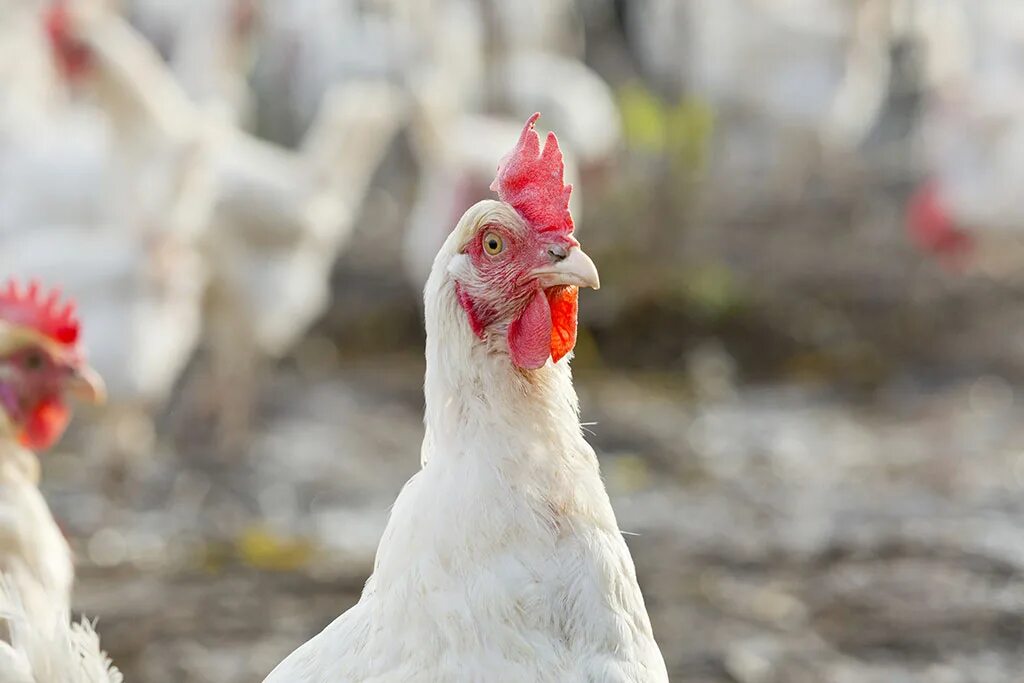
[72,55]
[531,181]
[41,312]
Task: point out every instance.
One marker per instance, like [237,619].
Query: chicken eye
[493,244]
[34,361]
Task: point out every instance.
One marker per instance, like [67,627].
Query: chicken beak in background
[574,269]
[86,384]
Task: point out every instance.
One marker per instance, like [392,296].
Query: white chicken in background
[141,295]
[309,46]
[271,221]
[28,82]
[580,102]
[552,26]
[108,201]
[279,223]
[157,145]
[968,210]
[53,157]
[209,46]
[502,559]
[42,365]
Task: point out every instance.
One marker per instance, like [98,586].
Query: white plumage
[107,202]
[309,46]
[576,101]
[140,295]
[255,228]
[502,559]
[280,217]
[33,553]
[209,47]
[974,125]
[55,651]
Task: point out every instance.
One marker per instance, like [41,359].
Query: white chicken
[60,651]
[267,222]
[551,26]
[109,203]
[280,217]
[209,47]
[580,103]
[973,137]
[502,559]
[279,221]
[41,364]
[28,82]
[309,46]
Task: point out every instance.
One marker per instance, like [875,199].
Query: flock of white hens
[129,176]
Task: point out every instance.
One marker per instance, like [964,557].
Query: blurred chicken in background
[280,219]
[968,211]
[107,195]
[209,46]
[245,228]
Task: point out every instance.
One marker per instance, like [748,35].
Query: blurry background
[800,373]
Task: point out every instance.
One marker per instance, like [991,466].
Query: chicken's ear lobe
[476,322]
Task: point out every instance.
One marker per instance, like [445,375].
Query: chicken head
[520,267]
[41,365]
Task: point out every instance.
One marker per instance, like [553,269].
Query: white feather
[48,651]
[33,553]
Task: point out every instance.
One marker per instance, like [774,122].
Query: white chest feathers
[496,585]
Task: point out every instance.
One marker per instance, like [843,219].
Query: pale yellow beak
[87,385]
[575,269]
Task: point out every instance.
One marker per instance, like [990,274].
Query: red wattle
[564,303]
[529,335]
[45,425]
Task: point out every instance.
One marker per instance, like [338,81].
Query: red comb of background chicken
[42,313]
[933,229]
[531,181]
[72,55]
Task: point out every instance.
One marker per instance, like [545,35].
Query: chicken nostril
[558,253]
